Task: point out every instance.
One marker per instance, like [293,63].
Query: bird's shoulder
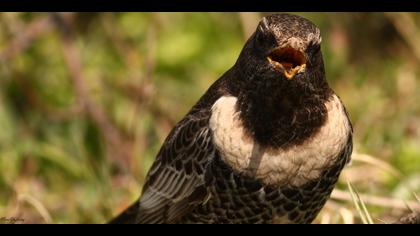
[191,136]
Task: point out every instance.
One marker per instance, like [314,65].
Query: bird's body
[265,144]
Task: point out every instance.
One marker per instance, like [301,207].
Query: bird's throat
[280,121]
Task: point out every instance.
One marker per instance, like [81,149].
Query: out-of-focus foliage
[86,100]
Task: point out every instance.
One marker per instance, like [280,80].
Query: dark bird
[265,144]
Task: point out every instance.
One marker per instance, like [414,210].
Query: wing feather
[175,182]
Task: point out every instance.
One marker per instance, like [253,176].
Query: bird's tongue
[287,65]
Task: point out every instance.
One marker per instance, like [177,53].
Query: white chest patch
[295,165]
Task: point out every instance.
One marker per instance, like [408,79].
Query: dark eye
[264,39]
[317,48]
[313,48]
[259,37]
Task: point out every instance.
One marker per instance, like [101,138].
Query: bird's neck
[279,119]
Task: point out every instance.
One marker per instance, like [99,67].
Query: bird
[265,144]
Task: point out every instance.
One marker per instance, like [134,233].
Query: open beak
[288,61]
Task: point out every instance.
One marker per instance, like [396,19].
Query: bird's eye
[259,37]
[264,39]
[314,48]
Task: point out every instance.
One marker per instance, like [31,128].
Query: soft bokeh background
[86,100]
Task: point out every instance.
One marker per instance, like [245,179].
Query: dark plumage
[265,144]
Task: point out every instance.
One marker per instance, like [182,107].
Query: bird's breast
[294,165]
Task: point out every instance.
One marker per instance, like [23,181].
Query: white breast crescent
[295,165]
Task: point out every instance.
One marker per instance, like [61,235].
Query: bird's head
[280,82]
[285,51]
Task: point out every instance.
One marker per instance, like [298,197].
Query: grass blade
[360,206]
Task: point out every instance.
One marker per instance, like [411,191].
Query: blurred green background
[87,99]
